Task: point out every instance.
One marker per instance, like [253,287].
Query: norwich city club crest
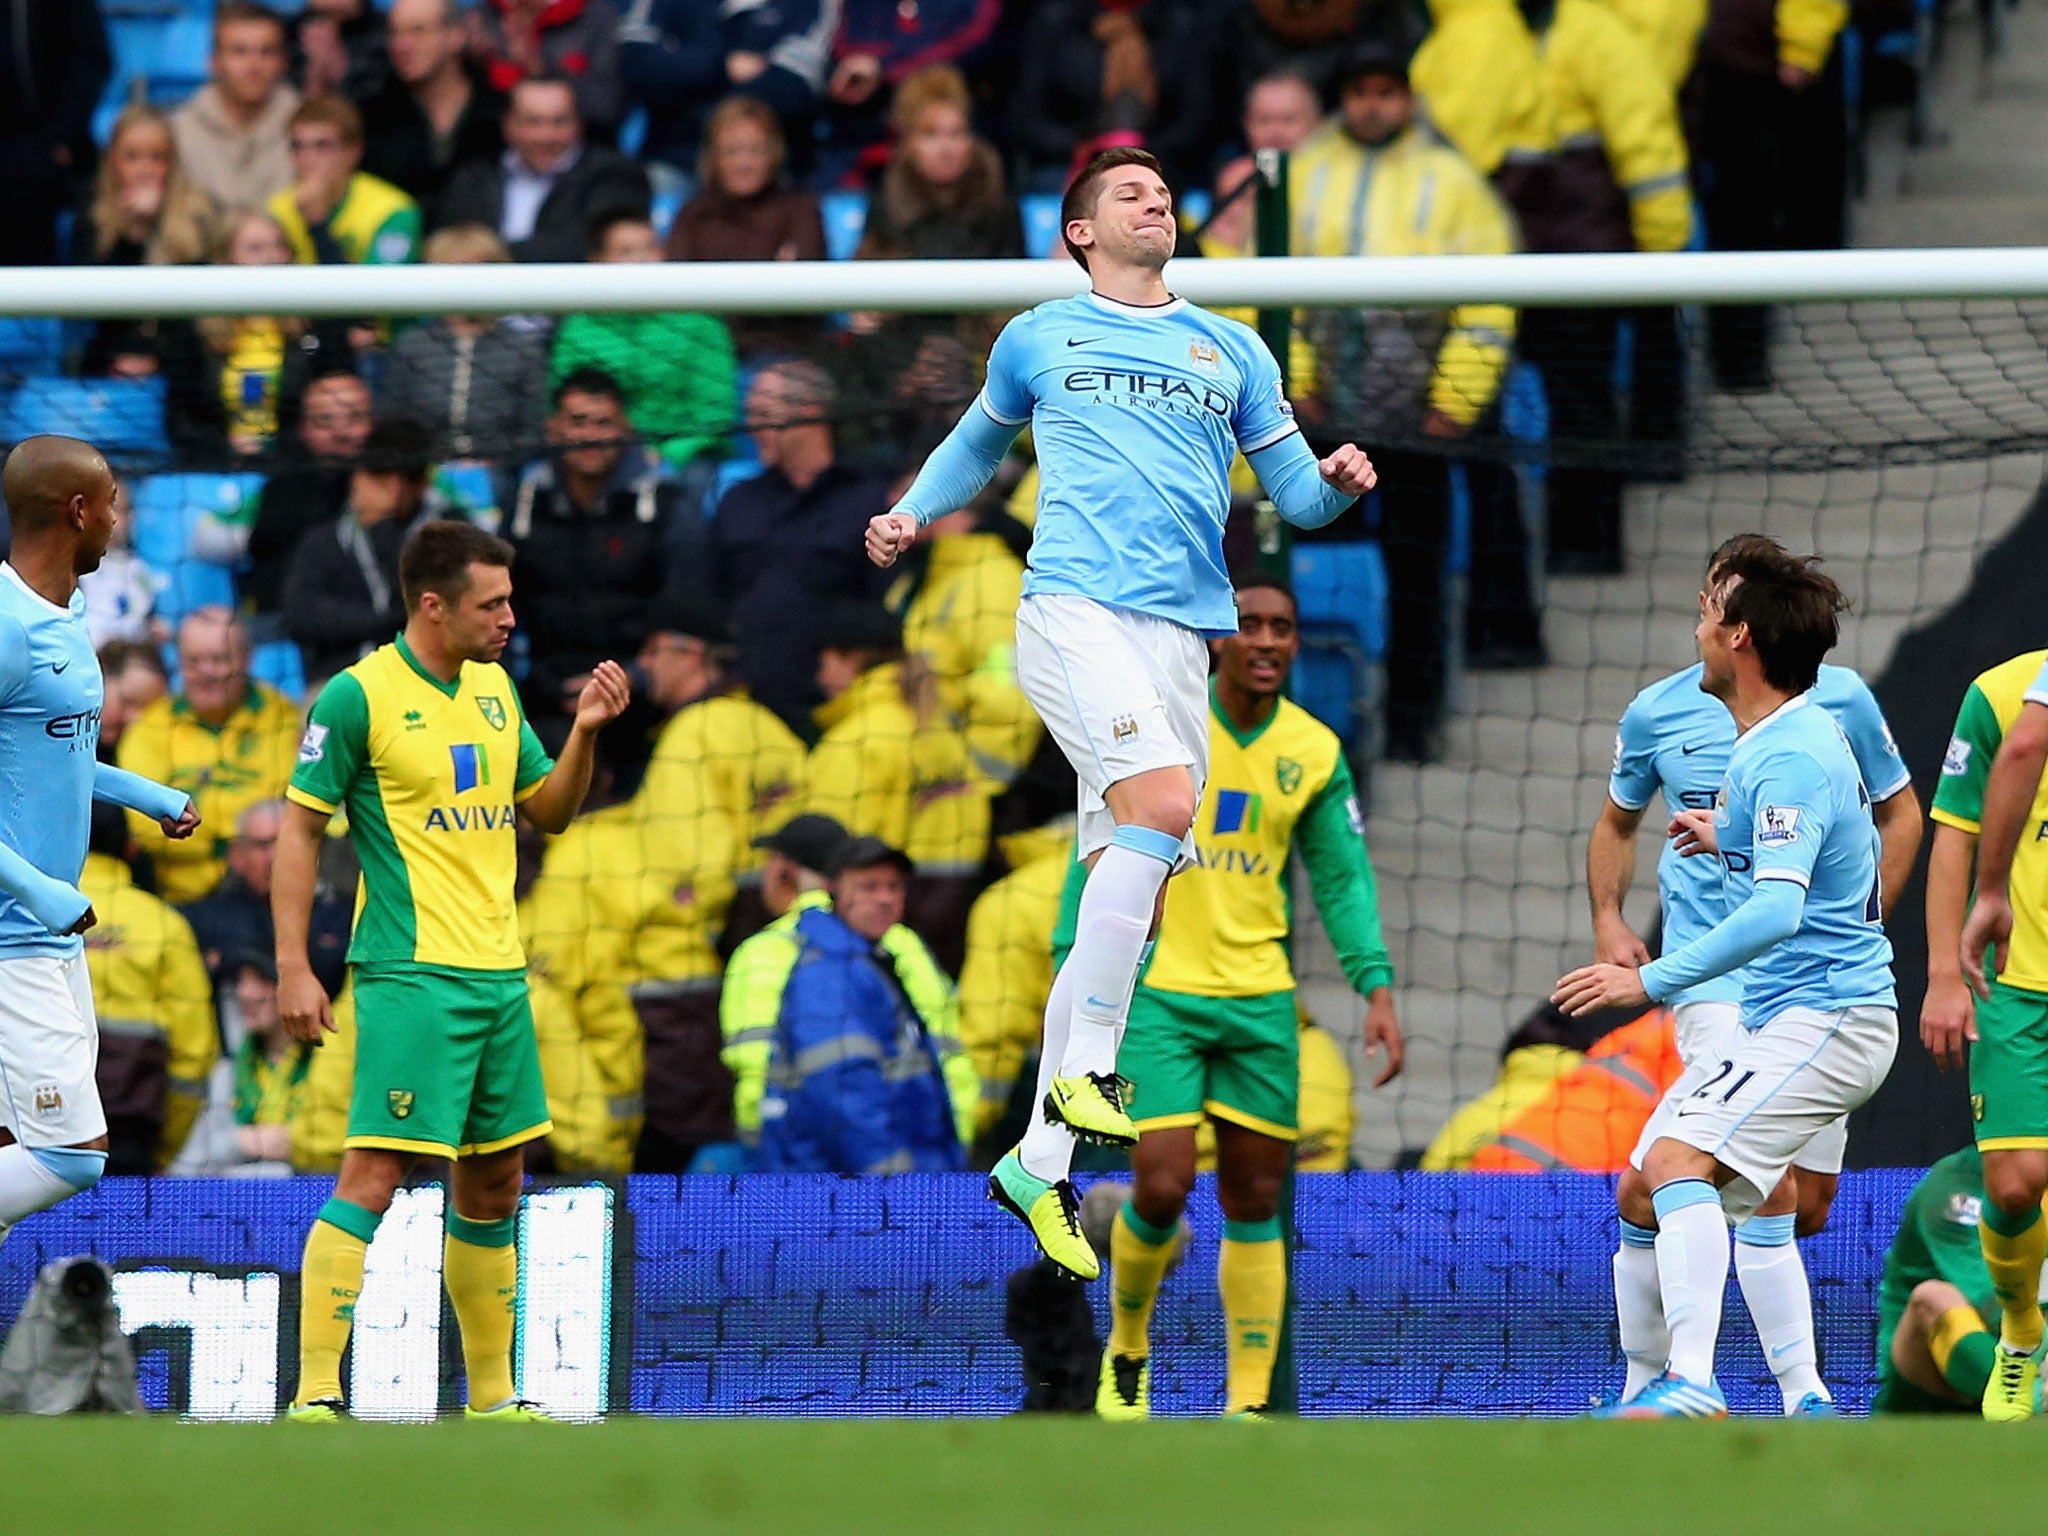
[493,712]
[1976,1106]
[1288,771]
[401,1102]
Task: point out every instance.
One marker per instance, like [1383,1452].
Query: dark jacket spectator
[234,918]
[590,524]
[55,60]
[341,596]
[1110,72]
[788,543]
[434,111]
[548,187]
[942,196]
[338,49]
[680,56]
[1308,38]
[574,40]
[879,45]
[876,1104]
[477,384]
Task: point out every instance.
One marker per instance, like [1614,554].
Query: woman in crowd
[942,195]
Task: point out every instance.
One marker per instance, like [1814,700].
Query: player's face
[1715,640]
[869,901]
[1133,221]
[479,622]
[98,510]
[1259,656]
[248,61]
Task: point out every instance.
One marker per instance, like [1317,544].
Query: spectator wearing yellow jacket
[1567,109]
[1670,29]
[223,738]
[1412,385]
[319,1115]
[720,758]
[801,858]
[333,213]
[890,765]
[158,1039]
[1007,975]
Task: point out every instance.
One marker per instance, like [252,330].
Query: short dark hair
[1792,610]
[235,13]
[398,445]
[117,656]
[1742,546]
[610,219]
[588,381]
[437,557]
[1079,203]
[1266,581]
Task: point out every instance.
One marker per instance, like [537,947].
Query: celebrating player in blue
[1138,404]
[1819,1024]
[60,499]
[1675,740]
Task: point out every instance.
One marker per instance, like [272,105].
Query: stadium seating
[165,509]
[124,418]
[1342,590]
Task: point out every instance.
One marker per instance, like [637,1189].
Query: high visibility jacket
[881,772]
[374,223]
[722,759]
[1008,975]
[1576,123]
[1591,1118]
[1807,31]
[1670,29]
[225,771]
[963,624]
[751,1002]
[158,1036]
[320,1115]
[1527,1075]
[1380,368]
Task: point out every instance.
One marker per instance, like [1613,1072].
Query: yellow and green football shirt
[1989,708]
[1272,792]
[429,773]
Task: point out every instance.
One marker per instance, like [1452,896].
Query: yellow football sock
[2014,1256]
[480,1267]
[1138,1256]
[1251,1273]
[330,1280]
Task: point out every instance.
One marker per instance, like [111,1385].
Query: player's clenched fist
[889,535]
[605,697]
[1349,470]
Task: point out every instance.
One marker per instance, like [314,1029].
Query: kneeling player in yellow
[1213,1029]
[424,745]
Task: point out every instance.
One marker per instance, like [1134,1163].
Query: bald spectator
[548,187]
[233,139]
[223,738]
[1281,110]
[135,679]
[435,110]
[788,542]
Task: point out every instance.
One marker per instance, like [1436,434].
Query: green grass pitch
[962,1478]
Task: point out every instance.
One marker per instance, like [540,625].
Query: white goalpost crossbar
[1418,282]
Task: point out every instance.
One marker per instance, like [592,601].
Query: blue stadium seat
[123,418]
[165,509]
[846,218]
[1040,212]
[160,51]
[1342,589]
[280,664]
[30,346]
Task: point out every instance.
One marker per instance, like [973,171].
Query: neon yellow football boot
[322,1410]
[1092,1107]
[1124,1395]
[517,1411]
[1051,1211]
[2013,1395]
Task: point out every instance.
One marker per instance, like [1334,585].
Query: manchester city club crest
[1288,771]
[493,712]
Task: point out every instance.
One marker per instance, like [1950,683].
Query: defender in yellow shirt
[423,744]
[224,739]
[1213,1027]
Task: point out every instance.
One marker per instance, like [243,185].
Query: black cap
[810,841]
[399,445]
[866,853]
[860,627]
[1373,57]
[692,614]
[237,961]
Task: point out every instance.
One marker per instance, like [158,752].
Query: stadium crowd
[825,762]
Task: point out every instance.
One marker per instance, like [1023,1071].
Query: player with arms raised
[1674,740]
[424,745]
[1138,403]
[1799,852]
[53,1132]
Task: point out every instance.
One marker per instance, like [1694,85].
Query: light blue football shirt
[1675,740]
[50,693]
[1137,414]
[1794,808]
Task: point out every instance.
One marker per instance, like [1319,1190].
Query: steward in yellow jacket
[1670,29]
[1007,976]
[158,1036]
[320,1112]
[962,626]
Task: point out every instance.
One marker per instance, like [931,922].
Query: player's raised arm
[554,804]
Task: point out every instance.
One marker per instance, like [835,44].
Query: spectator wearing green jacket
[678,371]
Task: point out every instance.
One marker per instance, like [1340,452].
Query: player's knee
[1161,1192]
[1250,1198]
[1160,802]
[2014,1184]
[1815,1206]
[1931,1301]
[1632,1200]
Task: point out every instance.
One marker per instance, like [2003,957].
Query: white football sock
[1047,1150]
[1692,1272]
[1109,942]
[1639,1307]
[1773,1279]
[27,1185]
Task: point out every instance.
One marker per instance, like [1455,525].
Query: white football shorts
[1709,1032]
[1121,692]
[49,1050]
[1757,1106]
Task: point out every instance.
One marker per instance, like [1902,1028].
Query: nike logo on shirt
[59,666]
[1083,341]
[1693,746]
